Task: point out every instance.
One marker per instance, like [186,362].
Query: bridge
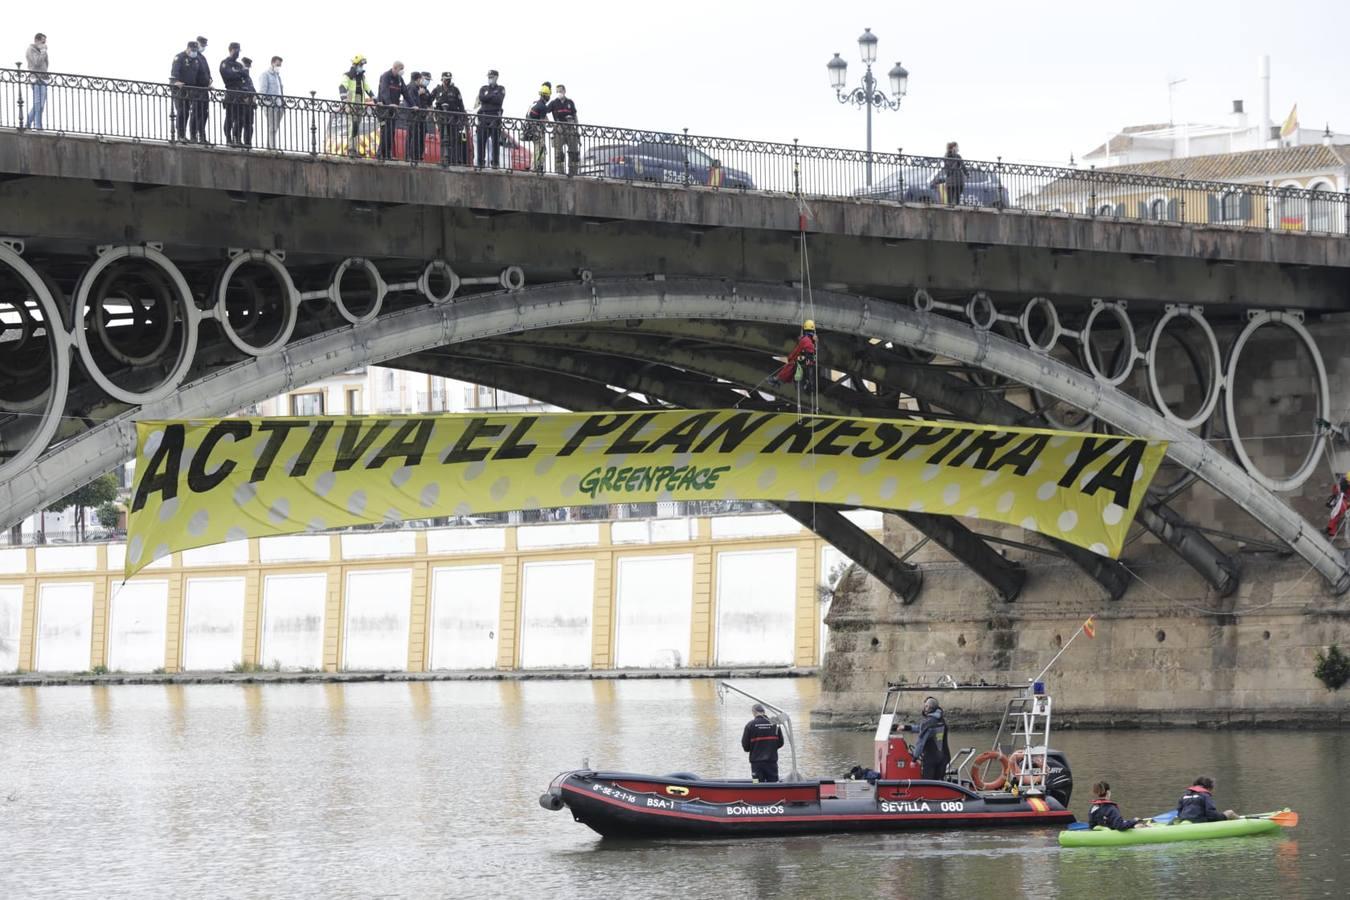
[142,276]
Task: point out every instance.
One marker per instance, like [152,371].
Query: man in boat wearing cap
[761,739]
[930,747]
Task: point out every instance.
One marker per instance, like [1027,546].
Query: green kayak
[1166,834]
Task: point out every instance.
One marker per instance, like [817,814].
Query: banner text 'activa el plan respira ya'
[202,482]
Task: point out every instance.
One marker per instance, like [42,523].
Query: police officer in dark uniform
[449,103]
[183,79]
[491,96]
[761,739]
[234,77]
[418,98]
[390,98]
[201,97]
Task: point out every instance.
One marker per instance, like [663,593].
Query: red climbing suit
[1338,503]
[804,354]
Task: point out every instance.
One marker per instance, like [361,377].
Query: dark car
[925,182]
[665,161]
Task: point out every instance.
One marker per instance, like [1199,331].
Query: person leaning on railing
[270,92]
[37,65]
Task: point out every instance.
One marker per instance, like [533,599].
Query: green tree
[96,493]
[108,514]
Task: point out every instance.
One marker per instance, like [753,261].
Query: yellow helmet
[809,325]
[358,59]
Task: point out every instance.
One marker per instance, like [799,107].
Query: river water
[429,789]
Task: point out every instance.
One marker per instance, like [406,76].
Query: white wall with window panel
[65,626]
[11,625]
[555,627]
[466,604]
[136,626]
[654,598]
[756,607]
[293,610]
[213,623]
[379,606]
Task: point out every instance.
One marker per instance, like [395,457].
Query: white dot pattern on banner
[793,496]
[542,467]
[135,549]
[400,476]
[530,503]
[745,459]
[161,551]
[951,494]
[888,487]
[474,470]
[1112,514]
[1071,458]
[828,481]
[1030,524]
[571,484]
[245,493]
[767,477]
[1005,502]
[279,512]
[990,477]
[258,449]
[429,494]
[915,506]
[392,515]
[1138,472]
[666,495]
[168,509]
[325,483]
[868,466]
[853,500]
[683,459]
[929,472]
[463,508]
[1083,482]
[500,488]
[1100,549]
[153,441]
[197,524]
[235,533]
[806,463]
[1035,466]
[1046,490]
[1058,441]
[316,525]
[290,462]
[973,512]
[1068,521]
[356,502]
[594,445]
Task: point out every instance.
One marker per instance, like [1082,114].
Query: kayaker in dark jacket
[1197,804]
[761,739]
[930,747]
[1105,813]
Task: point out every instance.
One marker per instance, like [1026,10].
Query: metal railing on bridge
[308,126]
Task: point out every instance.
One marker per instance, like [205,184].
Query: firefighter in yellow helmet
[354,88]
[801,362]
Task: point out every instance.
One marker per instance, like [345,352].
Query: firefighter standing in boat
[761,739]
[930,747]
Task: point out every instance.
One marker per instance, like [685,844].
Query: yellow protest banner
[206,481]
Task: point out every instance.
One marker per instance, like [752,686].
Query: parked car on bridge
[338,136]
[666,161]
[924,182]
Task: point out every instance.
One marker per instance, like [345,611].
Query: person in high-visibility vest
[801,362]
[354,88]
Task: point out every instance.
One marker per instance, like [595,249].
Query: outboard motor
[1058,777]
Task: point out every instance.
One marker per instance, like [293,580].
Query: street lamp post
[867,96]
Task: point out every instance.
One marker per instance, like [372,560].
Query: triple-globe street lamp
[867,95]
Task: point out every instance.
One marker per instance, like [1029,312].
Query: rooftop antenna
[1171,91]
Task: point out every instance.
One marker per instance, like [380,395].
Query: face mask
[561,95]
[360,69]
[42,45]
[492,79]
[192,53]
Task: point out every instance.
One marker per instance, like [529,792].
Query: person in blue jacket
[1197,804]
[1105,813]
[930,747]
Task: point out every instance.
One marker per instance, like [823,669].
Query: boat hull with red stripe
[617,804]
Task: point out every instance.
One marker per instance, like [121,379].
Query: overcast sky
[1030,81]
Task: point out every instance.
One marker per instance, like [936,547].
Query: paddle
[1285,817]
[1159,819]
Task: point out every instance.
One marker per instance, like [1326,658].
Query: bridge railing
[312,127]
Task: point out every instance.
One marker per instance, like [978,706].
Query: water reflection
[428,789]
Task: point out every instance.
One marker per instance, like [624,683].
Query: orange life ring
[977,765]
[1037,761]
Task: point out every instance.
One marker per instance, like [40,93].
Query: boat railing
[780,718]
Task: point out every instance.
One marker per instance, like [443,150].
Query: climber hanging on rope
[1338,503]
[801,362]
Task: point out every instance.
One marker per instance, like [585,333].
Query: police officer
[201,96]
[182,79]
[761,739]
[930,747]
[354,88]
[449,103]
[234,76]
[534,125]
[418,97]
[565,114]
[491,96]
[390,97]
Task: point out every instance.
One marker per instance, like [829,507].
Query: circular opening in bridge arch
[1109,344]
[1184,367]
[357,290]
[34,363]
[135,324]
[257,303]
[1277,385]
